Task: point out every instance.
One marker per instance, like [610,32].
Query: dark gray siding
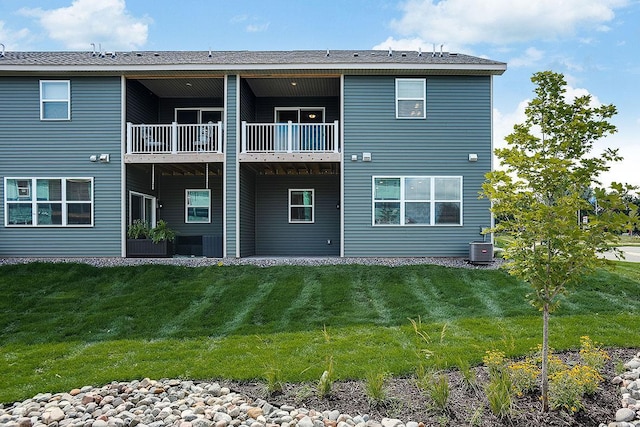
[142,105]
[274,234]
[231,173]
[247,103]
[247,212]
[171,191]
[33,148]
[458,123]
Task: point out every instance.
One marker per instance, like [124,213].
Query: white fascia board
[490,68]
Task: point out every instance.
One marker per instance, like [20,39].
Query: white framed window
[48,202]
[198,206]
[411,96]
[417,200]
[55,100]
[142,207]
[301,203]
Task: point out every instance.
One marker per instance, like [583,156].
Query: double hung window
[411,95]
[301,204]
[55,100]
[48,202]
[417,200]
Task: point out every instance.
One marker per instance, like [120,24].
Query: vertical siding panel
[458,123]
[30,147]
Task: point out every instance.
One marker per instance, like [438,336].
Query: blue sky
[594,43]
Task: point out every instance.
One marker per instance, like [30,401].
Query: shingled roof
[246,60]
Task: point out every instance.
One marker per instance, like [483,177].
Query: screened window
[55,100]
[41,202]
[301,206]
[417,200]
[411,95]
[198,206]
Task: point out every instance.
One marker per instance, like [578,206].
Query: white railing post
[336,130]
[174,137]
[129,136]
[219,148]
[289,136]
[243,137]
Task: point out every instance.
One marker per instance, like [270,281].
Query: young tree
[538,195]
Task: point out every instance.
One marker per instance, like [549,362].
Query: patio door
[303,138]
[194,116]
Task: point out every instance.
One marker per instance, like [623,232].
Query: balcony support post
[129,138]
[174,138]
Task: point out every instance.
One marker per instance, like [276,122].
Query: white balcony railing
[290,137]
[174,138]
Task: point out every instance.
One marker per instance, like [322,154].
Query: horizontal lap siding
[172,193]
[458,123]
[274,234]
[30,147]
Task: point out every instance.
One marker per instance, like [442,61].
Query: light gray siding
[30,147]
[276,236]
[231,173]
[458,123]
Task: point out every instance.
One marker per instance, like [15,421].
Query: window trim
[423,99]
[187,206]
[432,200]
[67,100]
[64,202]
[312,206]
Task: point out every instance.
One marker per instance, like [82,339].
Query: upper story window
[198,206]
[417,200]
[55,100]
[411,95]
[48,202]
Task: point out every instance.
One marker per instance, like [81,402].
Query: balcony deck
[174,143]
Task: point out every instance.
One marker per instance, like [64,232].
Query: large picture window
[301,206]
[48,202]
[411,97]
[198,206]
[417,200]
[55,100]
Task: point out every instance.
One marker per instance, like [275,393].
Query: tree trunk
[545,358]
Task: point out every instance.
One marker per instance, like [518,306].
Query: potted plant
[146,242]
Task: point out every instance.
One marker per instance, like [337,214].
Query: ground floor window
[198,206]
[48,202]
[417,200]
[142,207]
[301,206]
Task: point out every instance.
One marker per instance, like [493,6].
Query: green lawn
[69,325]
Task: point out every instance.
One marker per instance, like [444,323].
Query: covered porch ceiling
[294,168]
[213,87]
[180,169]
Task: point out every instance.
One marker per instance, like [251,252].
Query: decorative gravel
[261,261]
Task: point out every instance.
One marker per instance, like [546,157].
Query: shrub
[138,230]
[591,354]
[524,376]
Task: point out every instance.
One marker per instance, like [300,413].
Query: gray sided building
[296,153]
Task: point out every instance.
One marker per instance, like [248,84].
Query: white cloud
[93,21]
[499,22]
[257,28]
[531,57]
[13,39]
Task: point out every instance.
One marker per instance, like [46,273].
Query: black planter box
[145,248]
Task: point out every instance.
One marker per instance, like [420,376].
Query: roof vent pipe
[433,53]
[327,53]
[93,46]
[2,53]
[113,54]
[210,54]
[419,51]
[390,52]
[441,50]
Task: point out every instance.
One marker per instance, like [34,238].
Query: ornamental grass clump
[375,387]
[499,389]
